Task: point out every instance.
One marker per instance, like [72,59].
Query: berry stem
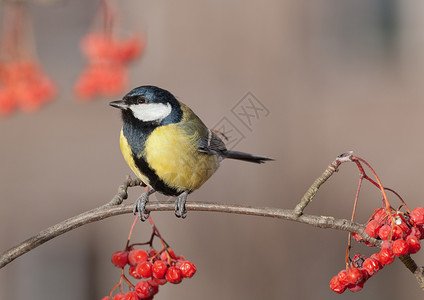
[358,161]
[127,246]
[349,237]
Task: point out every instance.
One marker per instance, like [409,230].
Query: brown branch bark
[108,210]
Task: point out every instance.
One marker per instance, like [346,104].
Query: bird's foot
[180,210]
[140,205]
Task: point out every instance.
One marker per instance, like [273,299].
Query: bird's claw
[140,205]
[180,209]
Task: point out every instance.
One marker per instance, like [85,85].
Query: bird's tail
[246,156]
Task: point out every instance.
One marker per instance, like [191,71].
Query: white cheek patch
[149,112]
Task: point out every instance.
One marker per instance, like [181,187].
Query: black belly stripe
[154,180]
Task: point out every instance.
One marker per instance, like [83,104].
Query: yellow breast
[127,153]
[174,156]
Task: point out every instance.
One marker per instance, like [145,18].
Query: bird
[168,147]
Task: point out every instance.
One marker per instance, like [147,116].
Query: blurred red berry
[417,215]
[159,269]
[414,244]
[7,101]
[129,49]
[336,286]
[173,275]
[120,258]
[106,298]
[386,256]
[144,269]
[187,269]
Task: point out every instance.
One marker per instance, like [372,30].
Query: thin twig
[313,189]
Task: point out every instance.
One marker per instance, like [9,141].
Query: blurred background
[329,76]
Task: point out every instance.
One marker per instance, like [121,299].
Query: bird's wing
[207,141]
[211,144]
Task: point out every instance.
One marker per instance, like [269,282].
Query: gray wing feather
[212,144]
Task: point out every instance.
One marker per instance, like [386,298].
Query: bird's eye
[141,100]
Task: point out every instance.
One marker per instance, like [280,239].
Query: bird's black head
[149,105]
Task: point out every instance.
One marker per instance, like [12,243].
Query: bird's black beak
[119,104]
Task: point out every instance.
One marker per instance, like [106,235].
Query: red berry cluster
[106,73]
[152,268]
[108,56]
[401,234]
[24,85]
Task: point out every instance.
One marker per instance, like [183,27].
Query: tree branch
[115,207]
[109,210]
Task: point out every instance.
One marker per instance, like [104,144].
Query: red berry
[417,231]
[400,247]
[152,252]
[164,256]
[173,275]
[106,298]
[120,258]
[386,245]
[119,296]
[354,276]
[187,269]
[386,256]
[377,258]
[417,215]
[342,277]
[357,237]
[144,269]
[136,256]
[168,253]
[379,215]
[358,260]
[159,269]
[384,232]
[356,287]
[372,228]
[131,296]
[133,272]
[145,290]
[414,243]
[371,266]
[157,282]
[336,286]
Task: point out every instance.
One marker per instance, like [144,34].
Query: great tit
[168,147]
